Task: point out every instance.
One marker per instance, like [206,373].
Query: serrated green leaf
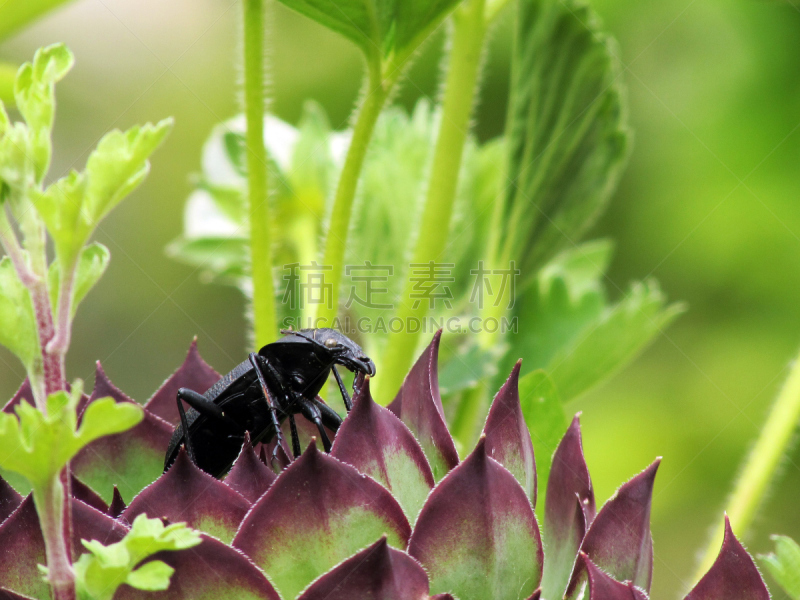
[544,414]
[568,138]
[17,321]
[612,340]
[61,209]
[378,27]
[784,565]
[92,264]
[38,445]
[103,569]
[119,164]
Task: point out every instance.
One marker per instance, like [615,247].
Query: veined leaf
[784,565]
[92,263]
[568,138]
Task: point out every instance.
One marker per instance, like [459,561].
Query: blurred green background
[709,206]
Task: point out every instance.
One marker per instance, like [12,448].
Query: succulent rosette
[392,513]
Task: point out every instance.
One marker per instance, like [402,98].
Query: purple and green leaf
[733,576]
[508,440]
[132,459]
[477,535]
[185,493]
[604,587]
[419,405]
[569,511]
[378,572]
[318,512]
[619,539]
[249,476]
[374,441]
[10,499]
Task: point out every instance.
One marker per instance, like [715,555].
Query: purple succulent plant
[390,514]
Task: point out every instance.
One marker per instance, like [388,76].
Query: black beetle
[282,380]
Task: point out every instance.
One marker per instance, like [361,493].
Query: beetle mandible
[280,381]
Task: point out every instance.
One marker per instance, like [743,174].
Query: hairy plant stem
[377,91]
[264,316]
[761,466]
[469,32]
[50,501]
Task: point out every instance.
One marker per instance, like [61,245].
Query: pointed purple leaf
[194,374]
[376,573]
[378,444]
[508,440]
[733,576]
[81,491]
[185,493]
[450,597]
[9,595]
[9,499]
[419,405]
[604,587]
[619,539]
[132,459]
[22,544]
[306,431]
[249,476]
[569,510]
[117,506]
[210,571]
[536,595]
[477,535]
[24,392]
[317,513]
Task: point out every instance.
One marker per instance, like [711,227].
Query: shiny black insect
[282,380]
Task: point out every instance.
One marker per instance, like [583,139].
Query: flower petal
[185,493]
[117,506]
[477,535]
[508,440]
[733,576]
[378,444]
[378,572]
[317,513]
[419,406]
[210,571]
[249,476]
[9,499]
[619,540]
[194,374]
[132,459]
[604,587]
[22,544]
[569,510]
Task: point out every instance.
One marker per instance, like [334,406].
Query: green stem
[8,73]
[264,316]
[460,88]
[49,500]
[377,92]
[762,464]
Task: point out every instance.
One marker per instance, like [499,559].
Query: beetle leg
[296,449]
[185,425]
[203,405]
[312,413]
[273,410]
[330,418]
[345,396]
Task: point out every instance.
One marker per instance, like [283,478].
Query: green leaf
[38,445]
[92,264]
[8,74]
[15,14]
[119,164]
[567,130]
[17,321]
[34,92]
[103,569]
[544,414]
[378,27]
[784,565]
[612,340]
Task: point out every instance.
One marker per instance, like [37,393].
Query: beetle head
[339,348]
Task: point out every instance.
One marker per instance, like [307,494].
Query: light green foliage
[39,445]
[15,14]
[580,338]
[544,414]
[784,565]
[92,263]
[103,569]
[567,132]
[380,28]
[17,323]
